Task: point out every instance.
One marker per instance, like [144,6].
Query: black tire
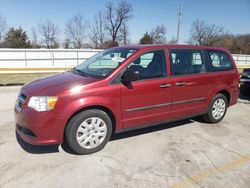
[74,124]
[208,117]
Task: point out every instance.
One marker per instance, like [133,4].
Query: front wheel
[88,131]
[217,109]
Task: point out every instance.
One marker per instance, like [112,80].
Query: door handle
[180,83]
[165,85]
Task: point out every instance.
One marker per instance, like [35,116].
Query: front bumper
[39,128]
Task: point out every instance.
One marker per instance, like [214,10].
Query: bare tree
[173,40]
[205,34]
[116,17]
[158,34]
[242,44]
[34,38]
[213,34]
[66,44]
[198,31]
[238,44]
[3,27]
[75,30]
[49,33]
[97,31]
[124,34]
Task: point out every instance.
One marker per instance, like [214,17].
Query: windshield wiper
[78,71]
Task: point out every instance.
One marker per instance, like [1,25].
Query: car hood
[56,84]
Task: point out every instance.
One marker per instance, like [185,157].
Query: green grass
[20,78]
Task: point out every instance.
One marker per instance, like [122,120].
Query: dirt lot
[183,154]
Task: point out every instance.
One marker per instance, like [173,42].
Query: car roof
[176,46]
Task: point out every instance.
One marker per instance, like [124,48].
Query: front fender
[86,102]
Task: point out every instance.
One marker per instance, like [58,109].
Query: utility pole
[180,18]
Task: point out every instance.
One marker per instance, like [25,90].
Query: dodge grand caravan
[125,88]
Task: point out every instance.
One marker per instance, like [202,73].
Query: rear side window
[219,61]
[186,61]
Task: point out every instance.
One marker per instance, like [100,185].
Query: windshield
[102,64]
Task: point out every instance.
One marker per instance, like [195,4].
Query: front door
[147,100]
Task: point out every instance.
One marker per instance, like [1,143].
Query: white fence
[60,59]
[241,59]
[44,58]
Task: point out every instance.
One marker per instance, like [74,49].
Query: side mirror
[129,76]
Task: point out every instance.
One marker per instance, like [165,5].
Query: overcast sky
[234,15]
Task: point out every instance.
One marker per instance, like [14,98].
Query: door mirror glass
[129,76]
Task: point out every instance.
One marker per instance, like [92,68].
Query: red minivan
[126,88]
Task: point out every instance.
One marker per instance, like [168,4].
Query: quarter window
[219,61]
[185,61]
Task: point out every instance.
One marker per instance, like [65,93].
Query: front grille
[21,99]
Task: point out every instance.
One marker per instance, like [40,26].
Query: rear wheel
[89,131]
[217,109]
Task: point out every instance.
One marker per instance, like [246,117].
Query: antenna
[180,19]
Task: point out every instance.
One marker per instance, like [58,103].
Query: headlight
[42,103]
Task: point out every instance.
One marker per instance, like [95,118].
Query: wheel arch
[226,94]
[222,90]
[97,107]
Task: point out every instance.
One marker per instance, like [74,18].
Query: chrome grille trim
[21,100]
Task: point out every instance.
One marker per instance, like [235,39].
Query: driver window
[150,65]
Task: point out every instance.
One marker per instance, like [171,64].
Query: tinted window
[186,62]
[150,65]
[219,61]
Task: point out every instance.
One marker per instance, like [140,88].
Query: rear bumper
[39,128]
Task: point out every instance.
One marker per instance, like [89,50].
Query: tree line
[106,29]
[109,28]
[214,35]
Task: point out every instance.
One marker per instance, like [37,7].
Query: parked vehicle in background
[245,81]
[126,88]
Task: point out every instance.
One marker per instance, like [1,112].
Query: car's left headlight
[42,103]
